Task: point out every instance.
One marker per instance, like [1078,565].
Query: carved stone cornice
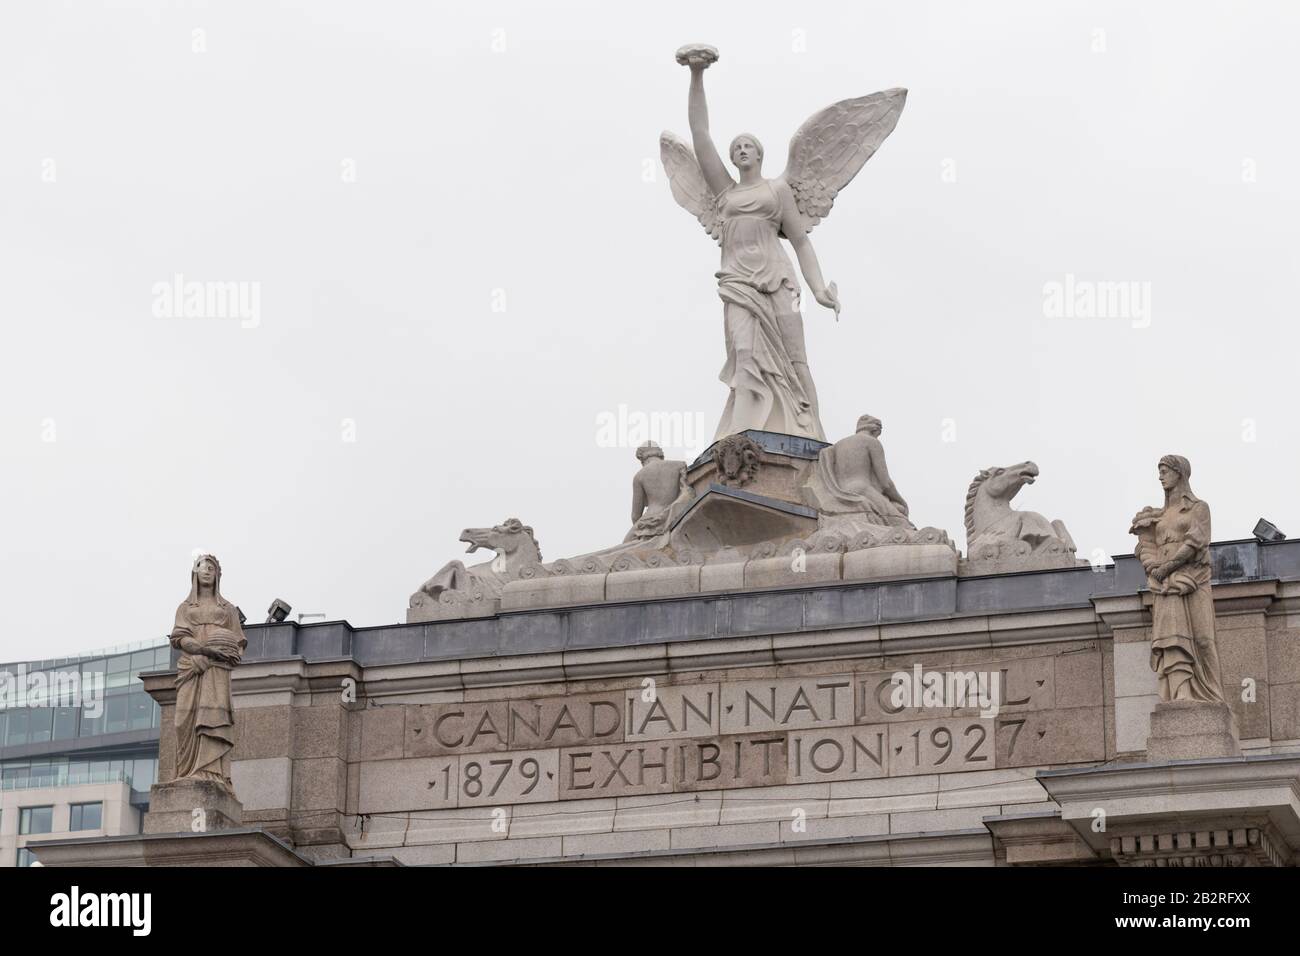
[1122,611]
[1039,838]
[1246,597]
[1232,811]
[1241,846]
[1287,600]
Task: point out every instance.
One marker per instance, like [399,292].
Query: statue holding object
[211,640]
[766,371]
[1174,548]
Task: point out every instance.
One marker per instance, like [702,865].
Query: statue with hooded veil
[766,371]
[1174,548]
[211,641]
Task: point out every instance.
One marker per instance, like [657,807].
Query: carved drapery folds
[210,638]
[1174,548]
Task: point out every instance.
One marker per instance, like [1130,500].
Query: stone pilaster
[1134,683]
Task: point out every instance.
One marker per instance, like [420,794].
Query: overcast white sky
[381,169]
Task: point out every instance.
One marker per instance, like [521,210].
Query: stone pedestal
[1191,730]
[189,806]
[784,462]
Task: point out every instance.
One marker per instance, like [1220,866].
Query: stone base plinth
[464,610]
[900,561]
[972,567]
[192,806]
[784,464]
[1191,730]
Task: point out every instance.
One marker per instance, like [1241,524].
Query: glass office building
[78,745]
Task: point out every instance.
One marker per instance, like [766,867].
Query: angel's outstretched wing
[833,145]
[686,180]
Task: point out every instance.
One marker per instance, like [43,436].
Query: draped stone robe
[1182,632]
[764,330]
[204,712]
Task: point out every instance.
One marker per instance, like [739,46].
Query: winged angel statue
[767,366]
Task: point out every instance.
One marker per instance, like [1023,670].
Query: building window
[65,723]
[25,856]
[119,671]
[36,820]
[142,661]
[87,816]
[115,712]
[140,707]
[92,726]
[144,773]
[40,724]
[16,735]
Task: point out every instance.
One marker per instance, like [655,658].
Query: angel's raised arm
[715,173]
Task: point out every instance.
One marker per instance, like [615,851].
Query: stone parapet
[743,727]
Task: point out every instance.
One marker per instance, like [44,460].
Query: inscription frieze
[664,738]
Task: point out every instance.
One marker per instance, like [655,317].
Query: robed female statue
[211,641]
[1174,548]
[766,370]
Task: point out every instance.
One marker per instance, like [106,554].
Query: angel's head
[746,152]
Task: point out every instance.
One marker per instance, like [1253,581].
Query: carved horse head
[991,492]
[512,540]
